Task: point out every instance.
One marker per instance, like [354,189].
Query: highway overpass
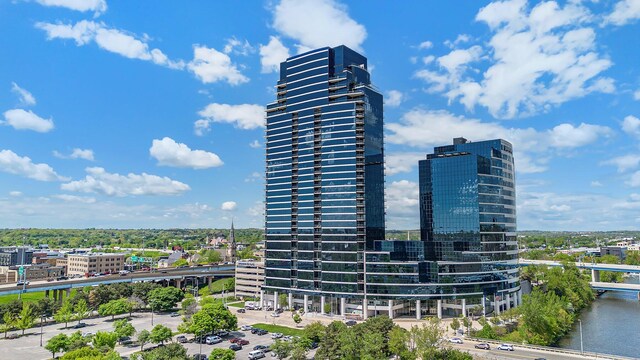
[177,275]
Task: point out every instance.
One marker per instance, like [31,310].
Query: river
[611,325]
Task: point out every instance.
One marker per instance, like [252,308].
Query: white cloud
[255,144]
[624,162]
[425,45]
[75,198]
[255,176]
[243,116]
[272,54]
[86,154]
[636,95]
[26,98]
[21,119]
[634,180]
[210,65]
[394,98]
[399,162]
[462,38]
[625,11]
[596,183]
[536,59]
[15,193]
[112,184]
[238,47]
[170,153]
[201,127]
[631,125]
[318,23]
[12,163]
[97,6]
[228,206]
[113,40]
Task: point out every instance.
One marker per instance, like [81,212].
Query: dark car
[235,347]
[264,348]
[242,311]
[200,357]
[234,340]
[60,278]
[350,322]
[255,330]
[200,339]
[314,345]
[483,346]
[262,332]
[242,342]
[79,325]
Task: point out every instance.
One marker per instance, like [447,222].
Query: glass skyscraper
[324,148]
[468,220]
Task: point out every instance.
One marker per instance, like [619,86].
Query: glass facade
[468,217]
[324,149]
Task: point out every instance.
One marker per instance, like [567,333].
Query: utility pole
[581,348]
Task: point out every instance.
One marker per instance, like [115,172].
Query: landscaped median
[279,329]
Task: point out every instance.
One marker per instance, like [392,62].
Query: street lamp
[151,314]
[581,348]
[41,318]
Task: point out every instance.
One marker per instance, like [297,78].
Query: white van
[256,354]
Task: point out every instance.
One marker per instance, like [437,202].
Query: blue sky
[147,114]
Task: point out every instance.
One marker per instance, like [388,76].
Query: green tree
[181,262]
[283,300]
[189,305]
[45,307]
[160,334]
[315,331]
[141,290]
[381,325]
[398,340]
[297,319]
[282,349]
[466,323]
[104,340]
[144,337]
[65,313]
[58,343]
[26,319]
[89,353]
[211,318]
[327,308]
[426,337]
[373,346]
[331,345]
[81,310]
[299,350]
[455,324]
[222,354]
[170,352]
[77,341]
[8,323]
[165,298]
[123,328]
[114,307]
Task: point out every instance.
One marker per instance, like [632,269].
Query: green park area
[279,329]
[28,297]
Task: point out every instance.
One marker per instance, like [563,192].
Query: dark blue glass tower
[468,219]
[324,175]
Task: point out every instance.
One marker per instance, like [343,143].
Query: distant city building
[168,261]
[617,251]
[31,272]
[93,263]
[249,278]
[15,255]
[231,245]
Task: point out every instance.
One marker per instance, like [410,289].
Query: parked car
[125,340]
[275,314]
[483,346]
[61,278]
[264,348]
[222,333]
[279,311]
[242,342]
[235,347]
[314,345]
[213,340]
[174,314]
[505,347]
[262,332]
[350,322]
[234,340]
[256,354]
[79,325]
[246,327]
[241,311]
[200,357]
[287,338]
[276,335]
[20,283]
[181,339]
[455,340]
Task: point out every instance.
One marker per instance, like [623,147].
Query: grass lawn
[29,297]
[281,329]
[216,286]
[237,304]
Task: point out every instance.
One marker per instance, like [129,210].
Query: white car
[505,347]
[455,340]
[276,335]
[246,327]
[274,314]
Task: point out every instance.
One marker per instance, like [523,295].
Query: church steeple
[231,244]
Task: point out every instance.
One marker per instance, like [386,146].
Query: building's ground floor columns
[343,306]
[418,310]
[290,300]
[305,303]
[508,299]
[365,309]
[322,305]
[484,305]
[275,300]
[262,298]
[390,309]
[464,307]
[439,308]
